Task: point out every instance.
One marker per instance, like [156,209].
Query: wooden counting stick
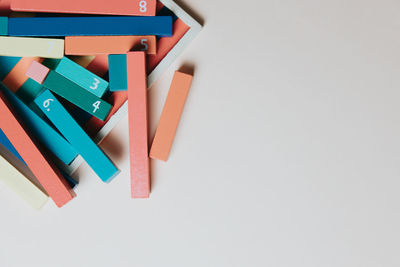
[69,90]
[138,133]
[117,72]
[31,47]
[170,116]
[104,45]
[45,171]
[90,26]
[115,7]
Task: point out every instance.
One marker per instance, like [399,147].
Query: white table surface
[287,153]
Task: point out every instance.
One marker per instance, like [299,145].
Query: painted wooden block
[138,129]
[76,136]
[44,170]
[104,45]
[21,185]
[91,26]
[115,7]
[4,26]
[31,47]
[117,73]
[69,90]
[170,116]
[82,77]
[42,131]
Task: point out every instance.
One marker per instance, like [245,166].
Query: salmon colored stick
[99,66]
[105,45]
[115,7]
[44,170]
[170,116]
[165,44]
[16,77]
[138,133]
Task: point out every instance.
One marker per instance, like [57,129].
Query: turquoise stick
[117,72]
[82,77]
[78,138]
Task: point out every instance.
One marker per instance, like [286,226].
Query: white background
[287,153]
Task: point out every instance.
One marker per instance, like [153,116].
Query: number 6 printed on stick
[76,136]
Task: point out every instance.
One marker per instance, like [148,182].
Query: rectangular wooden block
[104,45]
[69,90]
[31,47]
[21,185]
[138,132]
[92,26]
[4,26]
[117,73]
[82,77]
[76,136]
[42,131]
[116,7]
[170,116]
[45,171]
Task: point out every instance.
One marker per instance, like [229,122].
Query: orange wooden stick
[44,170]
[170,116]
[138,133]
[104,45]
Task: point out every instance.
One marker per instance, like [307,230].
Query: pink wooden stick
[138,133]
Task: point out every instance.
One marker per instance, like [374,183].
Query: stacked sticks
[57,101]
